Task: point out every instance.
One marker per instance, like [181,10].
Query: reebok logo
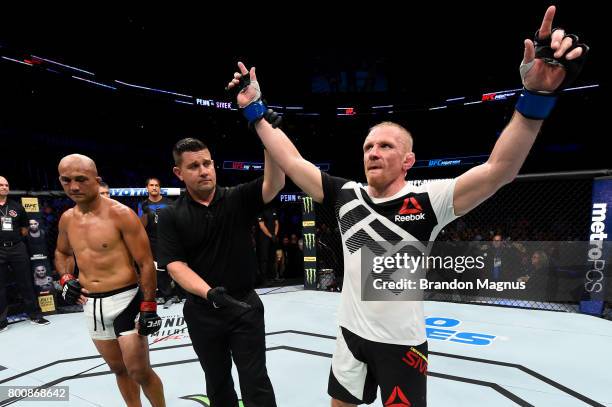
[410,207]
[409,218]
[397,399]
[411,210]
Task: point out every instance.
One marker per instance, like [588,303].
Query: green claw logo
[307,200]
[311,276]
[309,240]
[203,399]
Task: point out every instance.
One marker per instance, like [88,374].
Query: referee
[204,239]
[13,253]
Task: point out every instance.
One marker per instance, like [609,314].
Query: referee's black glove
[219,298]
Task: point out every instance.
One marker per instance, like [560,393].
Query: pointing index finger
[546,27]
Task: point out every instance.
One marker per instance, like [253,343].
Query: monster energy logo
[311,275]
[307,201]
[309,240]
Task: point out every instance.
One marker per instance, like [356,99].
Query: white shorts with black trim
[114,313]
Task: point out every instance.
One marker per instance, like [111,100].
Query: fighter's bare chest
[95,234]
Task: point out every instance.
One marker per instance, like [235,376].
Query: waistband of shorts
[112,292]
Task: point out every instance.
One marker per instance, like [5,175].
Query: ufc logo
[153,324]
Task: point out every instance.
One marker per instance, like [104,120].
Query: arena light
[345,111]
[94,82]
[295,110]
[16,60]
[50,61]
[259,166]
[152,89]
[451,161]
[580,88]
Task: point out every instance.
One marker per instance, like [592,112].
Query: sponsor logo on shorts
[416,360]
[397,399]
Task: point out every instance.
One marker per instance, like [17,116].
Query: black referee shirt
[13,217]
[215,240]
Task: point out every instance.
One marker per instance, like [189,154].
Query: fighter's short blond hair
[408,141]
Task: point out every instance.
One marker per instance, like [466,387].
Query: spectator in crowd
[148,212]
[267,240]
[502,259]
[104,189]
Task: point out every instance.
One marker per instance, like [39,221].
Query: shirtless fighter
[106,238]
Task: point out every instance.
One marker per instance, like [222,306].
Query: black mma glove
[148,321]
[71,289]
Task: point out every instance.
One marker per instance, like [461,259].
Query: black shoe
[39,321]
[3,325]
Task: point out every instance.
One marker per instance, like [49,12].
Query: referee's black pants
[18,259]
[222,334]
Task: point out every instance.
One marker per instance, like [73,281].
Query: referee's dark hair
[186,144]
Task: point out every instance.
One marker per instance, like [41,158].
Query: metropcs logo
[596,254]
[438,328]
[410,211]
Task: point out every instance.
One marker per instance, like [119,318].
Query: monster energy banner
[310,247]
